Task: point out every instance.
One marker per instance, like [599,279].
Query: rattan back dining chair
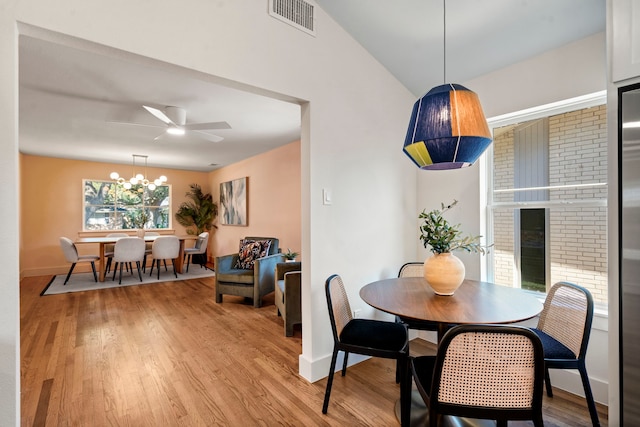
[369,337]
[564,328]
[414,269]
[492,372]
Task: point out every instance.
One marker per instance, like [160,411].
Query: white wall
[353,128]
[573,70]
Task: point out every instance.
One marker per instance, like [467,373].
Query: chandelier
[138,178]
[447,129]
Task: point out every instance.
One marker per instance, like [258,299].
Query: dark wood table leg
[420,415]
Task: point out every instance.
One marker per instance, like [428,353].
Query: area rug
[79,282]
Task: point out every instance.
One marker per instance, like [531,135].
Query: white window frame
[560,107]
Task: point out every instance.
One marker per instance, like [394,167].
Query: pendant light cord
[444,41]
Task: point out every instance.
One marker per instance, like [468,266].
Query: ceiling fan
[175,122]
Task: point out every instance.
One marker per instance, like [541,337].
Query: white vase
[444,273]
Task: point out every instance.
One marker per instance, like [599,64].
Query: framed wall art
[233,202]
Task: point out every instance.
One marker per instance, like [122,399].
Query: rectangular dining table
[413,300]
[102,241]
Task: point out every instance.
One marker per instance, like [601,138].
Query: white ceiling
[408,36]
[70,99]
[69,95]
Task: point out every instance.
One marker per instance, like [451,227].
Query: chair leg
[188,261]
[95,275]
[107,268]
[589,395]
[158,269]
[547,382]
[139,271]
[405,391]
[153,261]
[165,265]
[327,393]
[114,273]
[344,363]
[173,263]
[69,273]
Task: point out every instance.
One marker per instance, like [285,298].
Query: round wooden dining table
[413,300]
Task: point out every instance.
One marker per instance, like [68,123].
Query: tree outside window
[109,206]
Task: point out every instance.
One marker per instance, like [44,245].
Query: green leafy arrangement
[198,213]
[290,255]
[443,237]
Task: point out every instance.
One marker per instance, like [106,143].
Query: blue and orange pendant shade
[447,129]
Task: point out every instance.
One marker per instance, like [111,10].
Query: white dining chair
[128,250]
[108,250]
[71,254]
[147,248]
[164,248]
[199,248]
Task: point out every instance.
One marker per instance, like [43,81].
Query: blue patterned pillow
[251,250]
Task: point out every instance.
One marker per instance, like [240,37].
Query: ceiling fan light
[175,131]
[127,185]
[114,175]
[156,182]
[152,186]
[163,178]
[133,180]
[120,180]
[139,177]
[145,182]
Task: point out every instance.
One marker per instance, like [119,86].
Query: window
[547,200]
[109,206]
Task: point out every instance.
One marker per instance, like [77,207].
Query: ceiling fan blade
[159,114]
[134,124]
[205,126]
[208,136]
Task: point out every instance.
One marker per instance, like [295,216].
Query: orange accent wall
[51,203]
[51,206]
[273,199]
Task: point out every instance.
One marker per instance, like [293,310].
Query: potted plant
[444,271]
[197,215]
[290,256]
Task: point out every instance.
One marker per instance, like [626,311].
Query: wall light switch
[326,196]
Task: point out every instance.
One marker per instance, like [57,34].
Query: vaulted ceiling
[76,102]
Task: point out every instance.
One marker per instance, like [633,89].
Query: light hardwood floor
[167,355]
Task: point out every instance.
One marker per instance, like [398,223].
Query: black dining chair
[414,269]
[369,337]
[492,372]
[564,328]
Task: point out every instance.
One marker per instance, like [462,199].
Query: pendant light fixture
[447,129]
[138,178]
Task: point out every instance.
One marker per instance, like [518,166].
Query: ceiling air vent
[297,13]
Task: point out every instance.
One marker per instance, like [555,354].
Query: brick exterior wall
[577,235]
